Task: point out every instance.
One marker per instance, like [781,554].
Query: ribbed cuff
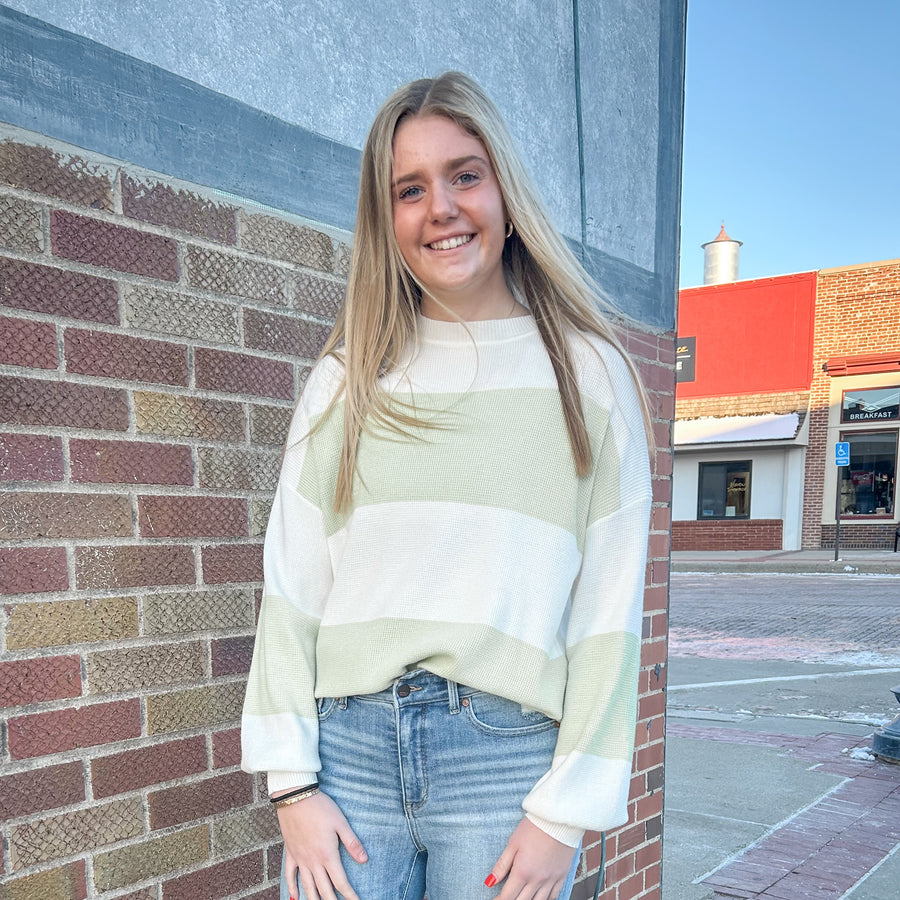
[565,834]
[281,781]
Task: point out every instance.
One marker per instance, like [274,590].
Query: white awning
[735,429]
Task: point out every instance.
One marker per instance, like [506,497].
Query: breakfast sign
[878,405]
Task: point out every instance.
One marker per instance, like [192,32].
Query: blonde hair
[378,318]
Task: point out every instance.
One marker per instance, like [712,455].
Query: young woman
[443,687]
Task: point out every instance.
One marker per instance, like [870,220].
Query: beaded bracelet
[294,793]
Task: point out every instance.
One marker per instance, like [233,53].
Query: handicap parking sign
[842,453]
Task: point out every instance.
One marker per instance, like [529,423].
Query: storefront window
[875,405]
[868,484]
[724,490]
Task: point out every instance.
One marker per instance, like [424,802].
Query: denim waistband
[416,687]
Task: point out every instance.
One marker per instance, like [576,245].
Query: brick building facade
[856,357]
[841,380]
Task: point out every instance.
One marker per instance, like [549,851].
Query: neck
[472,309]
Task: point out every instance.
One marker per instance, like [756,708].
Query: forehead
[429,138]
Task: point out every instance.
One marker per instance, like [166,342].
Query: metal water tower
[721,259]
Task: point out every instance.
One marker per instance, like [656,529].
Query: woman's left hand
[534,865]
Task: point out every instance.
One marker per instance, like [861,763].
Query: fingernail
[490,881]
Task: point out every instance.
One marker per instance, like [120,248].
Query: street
[775,685]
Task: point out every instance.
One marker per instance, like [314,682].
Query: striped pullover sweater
[471,550]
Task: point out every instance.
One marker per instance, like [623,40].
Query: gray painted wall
[591,104]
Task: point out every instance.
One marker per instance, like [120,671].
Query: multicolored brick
[58,292]
[61,622]
[111,246]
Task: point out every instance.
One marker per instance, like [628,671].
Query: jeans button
[403,690]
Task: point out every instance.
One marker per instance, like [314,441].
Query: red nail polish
[490,881]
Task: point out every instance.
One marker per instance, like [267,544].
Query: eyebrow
[451,164]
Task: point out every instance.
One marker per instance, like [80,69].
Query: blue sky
[792,133]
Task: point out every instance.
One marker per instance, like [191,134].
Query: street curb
[786,568]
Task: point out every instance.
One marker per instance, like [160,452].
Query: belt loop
[342,702]
[453,696]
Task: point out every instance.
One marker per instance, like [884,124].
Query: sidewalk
[772,792]
[812,562]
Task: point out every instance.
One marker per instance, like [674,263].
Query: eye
[466,178]
[409,193]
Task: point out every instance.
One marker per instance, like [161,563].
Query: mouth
[451,243]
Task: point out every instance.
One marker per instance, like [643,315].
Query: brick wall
[153,338]
[741,405]
[857,312]
[727,534]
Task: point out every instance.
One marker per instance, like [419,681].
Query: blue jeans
[431,777]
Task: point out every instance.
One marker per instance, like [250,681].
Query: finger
[500,868]
[309,885]
[323,885]
[339,880]
[514,889]
[353,844]
[291,872]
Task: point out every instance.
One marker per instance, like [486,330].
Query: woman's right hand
[313,830]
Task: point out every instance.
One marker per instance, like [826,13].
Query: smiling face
[449,218]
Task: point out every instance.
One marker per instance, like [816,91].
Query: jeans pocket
[498,716]
[326,706]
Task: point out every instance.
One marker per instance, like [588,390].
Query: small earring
[509,229]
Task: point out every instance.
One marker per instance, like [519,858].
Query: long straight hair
[378,318]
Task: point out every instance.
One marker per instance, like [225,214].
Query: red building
[772,374]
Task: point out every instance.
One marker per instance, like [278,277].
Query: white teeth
[450,243]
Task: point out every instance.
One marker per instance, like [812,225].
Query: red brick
[41,789]
[130,462]
[65,883]
[185,803]
[69,729]
[269,893]
[653,652]
[126,358]
[44,171]
[104,568]
[28,457]
[27,681]
[662,489]
[629,838]
[650,757]
[57,292]
[25,401]
[284,334]
[216,881]
[182,516]
[135,769]
[649,806]
[237,373]
[226,748]
[28,344]
[111,246]
[32,514]
[232,563]
[33,570]
[231,656]
[182,210]
[653,705]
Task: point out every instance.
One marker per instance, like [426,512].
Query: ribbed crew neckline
[484,331]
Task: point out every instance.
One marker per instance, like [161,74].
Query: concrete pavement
[770,790]
[800,562]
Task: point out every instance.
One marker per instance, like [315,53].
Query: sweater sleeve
[279,725]
[588,784]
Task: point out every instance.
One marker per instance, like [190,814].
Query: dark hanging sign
[878,405]
[685,354]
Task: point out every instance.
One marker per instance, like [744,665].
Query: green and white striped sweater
[472,550]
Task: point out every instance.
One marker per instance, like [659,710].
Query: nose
[443,202]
